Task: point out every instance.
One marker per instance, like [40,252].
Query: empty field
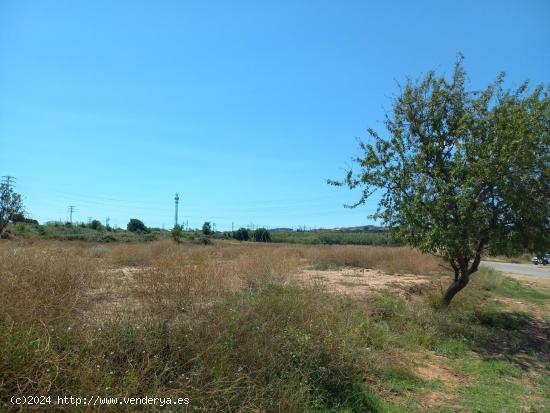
[249,327]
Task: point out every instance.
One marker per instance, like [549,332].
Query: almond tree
[462,173]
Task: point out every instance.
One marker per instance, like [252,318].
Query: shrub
[241,234]
[19,217]
[95,224]
[177,234]
[207,228]
[108,238]
[136,225]
[262,235]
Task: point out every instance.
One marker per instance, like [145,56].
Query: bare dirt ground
[361,281]
[430,366]
[116,296]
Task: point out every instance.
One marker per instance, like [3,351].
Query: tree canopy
[207,228]
[461,173]
[135,225]
[241,234]
[262,235]
[11,205]
[96,224]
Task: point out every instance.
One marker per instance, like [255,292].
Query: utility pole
[107,221]
[177,200]
[232,227]
[7,179]
[71,210]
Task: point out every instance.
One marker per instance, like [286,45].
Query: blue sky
[244,108]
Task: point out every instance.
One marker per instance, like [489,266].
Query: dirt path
[360,281]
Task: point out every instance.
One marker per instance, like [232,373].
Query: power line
[286,212]
[305,201]
[281,211]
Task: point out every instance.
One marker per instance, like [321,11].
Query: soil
[116,295]
[360,281]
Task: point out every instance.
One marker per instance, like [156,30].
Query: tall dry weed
[44,283]
[131,255]
[388,259]
[182,277]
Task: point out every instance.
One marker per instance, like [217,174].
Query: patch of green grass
[503,320]
[494,396]
[494,386]
[490,369]
[402,379]
[450,347]
[491,280]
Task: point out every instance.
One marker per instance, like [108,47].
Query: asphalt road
[523,269]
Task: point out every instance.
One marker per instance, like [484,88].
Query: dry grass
[45,282]
[226,325]
[181,278]
[176,278]
[131,255]
[387,259]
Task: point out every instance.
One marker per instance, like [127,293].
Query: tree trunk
[462,276]
[454,288]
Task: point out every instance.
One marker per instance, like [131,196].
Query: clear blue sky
[244,108]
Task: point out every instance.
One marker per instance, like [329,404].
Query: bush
[241,234]
[95,224]
[136,225]
[177,234]
[262,235]
[15,218]
[206,228]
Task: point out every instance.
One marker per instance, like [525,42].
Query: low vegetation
[333,237]
[79,232]
[231,327]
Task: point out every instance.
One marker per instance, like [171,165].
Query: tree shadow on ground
[518,338]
